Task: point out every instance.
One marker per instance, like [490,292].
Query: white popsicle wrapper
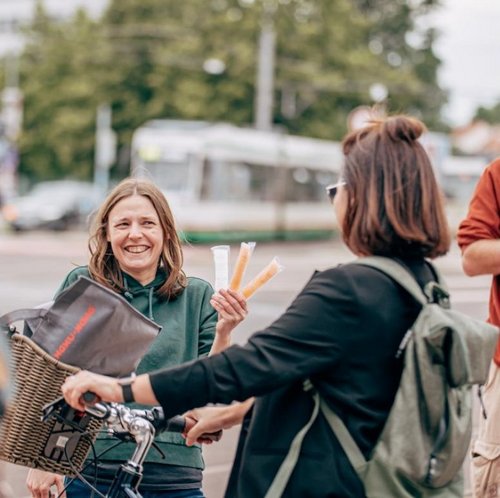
[272,269]
[221,262]
[240,267]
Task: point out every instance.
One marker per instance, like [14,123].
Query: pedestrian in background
[479,239]
[342,331]
[135,250]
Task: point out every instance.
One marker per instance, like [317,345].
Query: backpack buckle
[436,294]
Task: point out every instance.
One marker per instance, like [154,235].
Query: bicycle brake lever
[159,450]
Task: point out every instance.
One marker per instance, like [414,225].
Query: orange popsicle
[264,276]
[240,267]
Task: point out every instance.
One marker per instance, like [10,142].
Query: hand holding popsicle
[231,307]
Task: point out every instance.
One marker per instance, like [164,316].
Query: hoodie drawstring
[151,290]
[128,295]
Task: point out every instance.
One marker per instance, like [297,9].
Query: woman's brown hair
[103,266]
[394,204]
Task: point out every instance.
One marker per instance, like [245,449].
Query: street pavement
[32,265]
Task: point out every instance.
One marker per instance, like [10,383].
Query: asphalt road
[33,265]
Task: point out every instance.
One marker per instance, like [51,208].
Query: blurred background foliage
[196,59]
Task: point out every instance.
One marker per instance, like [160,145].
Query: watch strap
[126,384]
[128,395]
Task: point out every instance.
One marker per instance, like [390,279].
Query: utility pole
[11,117]
[264,95]
[105,149]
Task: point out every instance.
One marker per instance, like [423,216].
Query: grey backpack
[426,437]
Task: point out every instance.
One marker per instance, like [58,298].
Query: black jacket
[342,331]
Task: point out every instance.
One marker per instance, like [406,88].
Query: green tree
[489,114]
[405,47]
[197,59]
[61,71]
[328,56]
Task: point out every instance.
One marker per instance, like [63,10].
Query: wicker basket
[23,436]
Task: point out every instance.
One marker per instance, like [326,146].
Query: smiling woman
[135,250]
[136,237]
[134,232]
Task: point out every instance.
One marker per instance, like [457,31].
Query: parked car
[56,205]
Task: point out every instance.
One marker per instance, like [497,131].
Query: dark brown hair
[103,266]
[394,204]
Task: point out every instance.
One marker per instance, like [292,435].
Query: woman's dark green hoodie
[188,330]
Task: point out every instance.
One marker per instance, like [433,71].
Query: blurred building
[477,138]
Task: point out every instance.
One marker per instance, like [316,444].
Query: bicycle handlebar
[140,424]
[121,417]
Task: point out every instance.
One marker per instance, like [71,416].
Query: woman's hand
[211,419]
[202,436]
[232,309]
[39,483]
[105,388]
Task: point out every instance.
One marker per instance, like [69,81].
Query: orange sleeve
[483,218]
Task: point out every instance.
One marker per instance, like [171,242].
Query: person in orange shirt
[479,239]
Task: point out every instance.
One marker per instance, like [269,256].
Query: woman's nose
[135,230]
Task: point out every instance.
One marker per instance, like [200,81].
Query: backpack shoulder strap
[398,273]
[338,427]
[282,477]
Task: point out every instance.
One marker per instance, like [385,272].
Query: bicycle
[123,422]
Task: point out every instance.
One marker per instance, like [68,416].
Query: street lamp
[378,92]
[214,67]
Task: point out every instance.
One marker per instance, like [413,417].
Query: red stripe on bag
[72,336]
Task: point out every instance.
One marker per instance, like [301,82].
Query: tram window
[306,185]
[262,186]
[169,176]
[238,181]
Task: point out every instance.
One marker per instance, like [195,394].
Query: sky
[470,49]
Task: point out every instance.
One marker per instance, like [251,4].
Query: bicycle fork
[129,475]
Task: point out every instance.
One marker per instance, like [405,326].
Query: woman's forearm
[482,258]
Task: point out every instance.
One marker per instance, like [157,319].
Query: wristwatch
[126,383]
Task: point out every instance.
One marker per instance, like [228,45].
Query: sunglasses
[331,190]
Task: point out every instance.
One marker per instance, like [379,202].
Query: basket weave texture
[38,378]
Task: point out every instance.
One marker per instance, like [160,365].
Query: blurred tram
[228,183]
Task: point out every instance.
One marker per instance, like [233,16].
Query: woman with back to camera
[135,250]
[342,331]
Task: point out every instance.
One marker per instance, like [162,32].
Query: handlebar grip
[176,424]
[213,436]
[90,398]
